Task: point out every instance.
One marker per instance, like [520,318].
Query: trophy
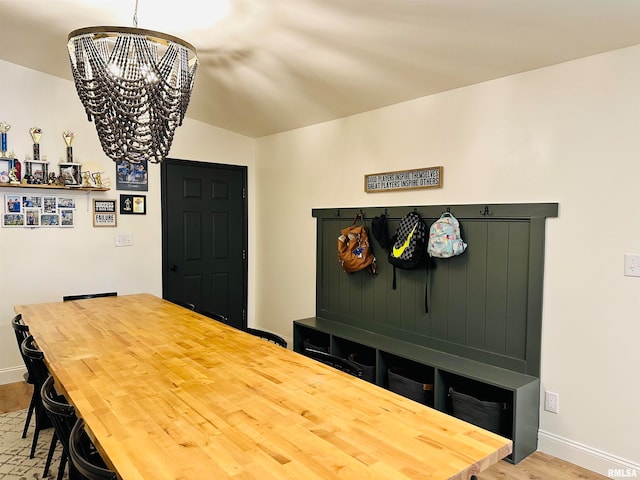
[68,139]
[35,136]
[4,128]
[97,179]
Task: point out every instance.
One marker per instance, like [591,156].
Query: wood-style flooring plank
[15,396]
[538,466]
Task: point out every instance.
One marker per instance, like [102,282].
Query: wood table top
[167,393]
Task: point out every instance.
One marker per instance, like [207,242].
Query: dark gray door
[204,231]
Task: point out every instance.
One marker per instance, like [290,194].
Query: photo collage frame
[43,211]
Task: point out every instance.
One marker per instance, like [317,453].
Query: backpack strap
[426,290]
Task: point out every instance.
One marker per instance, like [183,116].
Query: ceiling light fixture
[135,85]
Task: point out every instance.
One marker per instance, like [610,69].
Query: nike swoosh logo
[399,251]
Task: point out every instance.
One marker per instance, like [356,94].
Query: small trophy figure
[35,136]
[68,139]
[97,179]
[4,128]
[13,178]
[86,180]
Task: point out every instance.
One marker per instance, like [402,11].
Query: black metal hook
[486,211]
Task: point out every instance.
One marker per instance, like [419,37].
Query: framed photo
[67,217]
[70,173]
[5,167]
[13,203]
[49,205]
[66,202]
[50,220]
[13,220]
[37,171]
[34,201]
[132,176]
[133,204]
[31,217]
[104,213]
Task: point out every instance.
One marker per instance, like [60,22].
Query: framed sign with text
[104,213]
[430,177]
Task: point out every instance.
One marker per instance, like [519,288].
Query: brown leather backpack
[354,249]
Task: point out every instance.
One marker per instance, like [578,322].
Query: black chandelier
[135,85]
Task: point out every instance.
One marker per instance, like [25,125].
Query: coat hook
[338,213]
[486,211]
[386,212]
[448,209]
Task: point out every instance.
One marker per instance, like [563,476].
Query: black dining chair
[269,336]
[22,331]
[38,371]
[334,361]
[86,463]
[214,315]
[190,306]
[68,298]
[63,417]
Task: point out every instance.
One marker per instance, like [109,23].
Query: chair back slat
[68,298]
[334,361]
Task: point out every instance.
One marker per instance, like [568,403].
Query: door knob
[173,268]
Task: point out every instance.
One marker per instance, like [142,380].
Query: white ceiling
[272,66]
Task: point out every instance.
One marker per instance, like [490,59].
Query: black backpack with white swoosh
[408,247]
[409,244]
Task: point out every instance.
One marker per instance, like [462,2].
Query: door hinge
[244,193]
[244,315]
[244,254]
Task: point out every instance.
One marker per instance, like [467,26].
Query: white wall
[568,134]
[41,265]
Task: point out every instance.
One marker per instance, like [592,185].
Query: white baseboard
[12,375]
[587,457]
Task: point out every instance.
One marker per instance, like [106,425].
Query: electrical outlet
[551,402]
[631,265]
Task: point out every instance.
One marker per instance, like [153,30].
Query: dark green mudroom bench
[481,334]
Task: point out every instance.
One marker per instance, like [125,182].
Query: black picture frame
[132,176]
[133,204]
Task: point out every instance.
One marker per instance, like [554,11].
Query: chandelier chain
[135,16]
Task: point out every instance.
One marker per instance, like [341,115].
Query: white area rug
[15,463]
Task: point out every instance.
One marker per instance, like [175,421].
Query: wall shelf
[54,187]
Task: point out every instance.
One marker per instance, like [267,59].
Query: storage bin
[484,414]
[410,384]
[368,367]
[316,344]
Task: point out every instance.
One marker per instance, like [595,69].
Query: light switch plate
[631,265]
[124,240]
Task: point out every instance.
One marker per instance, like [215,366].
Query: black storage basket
[368,370]
[410,385]
[487,415]
[315,344]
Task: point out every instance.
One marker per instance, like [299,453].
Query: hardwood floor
[538,466]
[15,396]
